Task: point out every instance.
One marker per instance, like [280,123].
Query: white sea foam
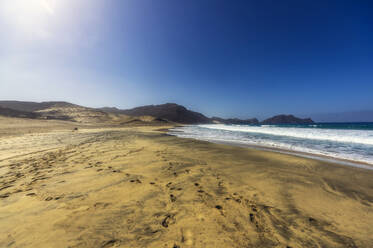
[350,136]
[354,145]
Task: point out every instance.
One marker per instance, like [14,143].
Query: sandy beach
[136,186]
[186,124]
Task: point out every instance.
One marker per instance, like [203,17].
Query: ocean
[340,141]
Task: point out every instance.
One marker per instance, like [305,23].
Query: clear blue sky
[226,58]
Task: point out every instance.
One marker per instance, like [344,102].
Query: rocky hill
[169,111]
[286,119]
[72,112]
[33,106]
[17,113]
[56,111]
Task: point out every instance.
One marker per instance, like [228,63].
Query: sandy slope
[136,187]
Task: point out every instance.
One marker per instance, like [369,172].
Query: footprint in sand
[4,196]
[109,243]
[101,204]
[251,217]
[173,198]
[312,220]
[169,219]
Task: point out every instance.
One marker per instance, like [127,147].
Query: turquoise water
[343,141]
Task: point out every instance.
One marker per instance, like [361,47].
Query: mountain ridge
[169,111]
[172,112]
[33,106]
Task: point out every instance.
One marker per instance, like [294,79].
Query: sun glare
[28,18]
[47,6]
[30,7]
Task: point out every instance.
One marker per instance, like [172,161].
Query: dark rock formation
[286,119]
[169,111]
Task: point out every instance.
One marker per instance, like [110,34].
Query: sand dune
[137,187]
[71,112]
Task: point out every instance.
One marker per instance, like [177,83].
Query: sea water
[343,141]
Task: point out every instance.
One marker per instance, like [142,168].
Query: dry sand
[138,187]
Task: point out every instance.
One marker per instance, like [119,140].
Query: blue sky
[225,58]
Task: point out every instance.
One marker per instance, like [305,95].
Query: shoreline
[319,157]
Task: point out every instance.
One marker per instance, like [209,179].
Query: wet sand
[138,187]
